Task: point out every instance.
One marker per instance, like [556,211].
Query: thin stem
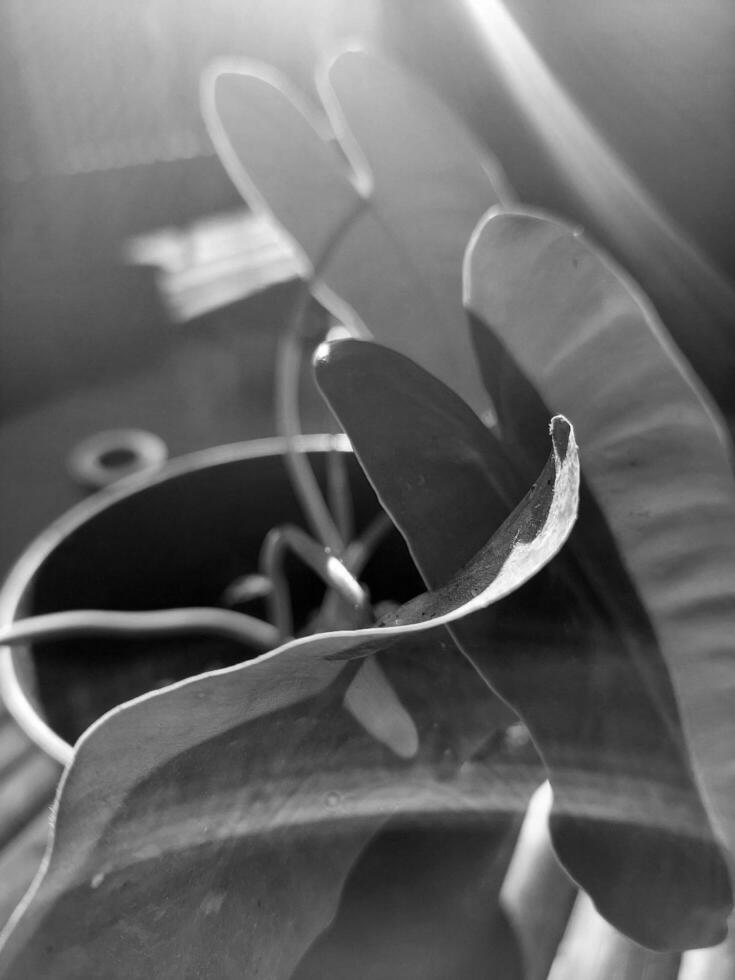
[338,493]
[370,697]
[246,588]
[359,552]
[168,622]
[278,600]
[288,375]
[326,565]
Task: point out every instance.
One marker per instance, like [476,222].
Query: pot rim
[32,557]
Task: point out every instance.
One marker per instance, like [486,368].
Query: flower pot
[424,893]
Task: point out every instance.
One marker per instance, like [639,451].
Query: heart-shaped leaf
[279,153]
[193,822]
[385,221]
[558,327]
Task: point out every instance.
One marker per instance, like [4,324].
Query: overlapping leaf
[278,152]
[606,736]
[193,822]
[435,914]
[557,327]
[383,215]
[449,463]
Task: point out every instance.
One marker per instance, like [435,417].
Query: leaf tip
[562,436]
[373,702]
[322,353]
[338,349]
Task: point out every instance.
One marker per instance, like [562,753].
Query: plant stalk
[327,566]
[288,374]
[165,622]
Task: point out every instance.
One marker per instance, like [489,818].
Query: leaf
[278,153]
[550,640]
[384,223]
[558,327]
[193,822]
[430,181]
[421,904]
[422,899]
[384,400]
[593,177]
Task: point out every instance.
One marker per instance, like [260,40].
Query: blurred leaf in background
[619,116]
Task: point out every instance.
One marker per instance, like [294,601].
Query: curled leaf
[452,484]
[227,804]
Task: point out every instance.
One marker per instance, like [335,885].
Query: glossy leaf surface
[552,651]
[383,212]
[558,327]
[196,820]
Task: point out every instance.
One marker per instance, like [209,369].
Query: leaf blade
[383,399]
[277,154]
[393,214]
[570,330]
[126,775]
[430,182]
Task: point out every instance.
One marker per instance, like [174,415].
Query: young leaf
[278,153]
[551,652]
[386,222]
[558,327]
[193,822]
[430,181]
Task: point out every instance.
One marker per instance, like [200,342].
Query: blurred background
[136,290]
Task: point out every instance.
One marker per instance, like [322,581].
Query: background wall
[100,139]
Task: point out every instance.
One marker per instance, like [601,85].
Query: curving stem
[288,375]
[333,572]
[168,622]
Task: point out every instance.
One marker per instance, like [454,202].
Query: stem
[338,493]
[247,588]
[359,552]
[370,696]
[357,555]
[288,373]
[168,622]
[224,623]
[278,600]
[327,566]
